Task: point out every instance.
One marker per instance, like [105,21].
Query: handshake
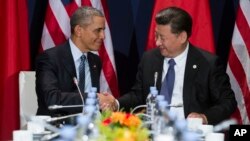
[107,102]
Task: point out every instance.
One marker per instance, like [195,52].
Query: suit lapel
[93,66]
[67,60]
[69,64]
[192,67]
[158,67]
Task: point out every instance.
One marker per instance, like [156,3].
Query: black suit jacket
[206,88]
[55,70]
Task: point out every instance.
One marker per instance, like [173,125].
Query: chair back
[27,96]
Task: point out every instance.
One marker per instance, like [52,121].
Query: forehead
[97,21]
[163,29]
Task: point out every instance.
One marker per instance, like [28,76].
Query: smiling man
[56,67]
[187,75]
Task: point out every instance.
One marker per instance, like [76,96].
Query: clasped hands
[107,101]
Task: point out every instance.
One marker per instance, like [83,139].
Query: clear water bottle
[164,125]
[93,94]
[83,122]
[93,89]
[151,102]
[159,98]
[92,130]
[160,121]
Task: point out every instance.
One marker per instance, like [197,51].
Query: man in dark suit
[200,82]
[56,67]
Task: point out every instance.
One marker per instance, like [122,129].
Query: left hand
[198,115]
[107,101]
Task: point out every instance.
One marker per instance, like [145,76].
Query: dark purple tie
[82,73]
[168,83]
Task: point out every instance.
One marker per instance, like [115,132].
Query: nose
[158,41]
[102,34]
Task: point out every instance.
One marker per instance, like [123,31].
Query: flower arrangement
[120,126]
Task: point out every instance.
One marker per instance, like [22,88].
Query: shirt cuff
[117,104]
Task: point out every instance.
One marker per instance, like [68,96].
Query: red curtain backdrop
[202,33]
[14,57]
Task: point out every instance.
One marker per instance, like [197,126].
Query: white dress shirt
[76,53]
[177,97]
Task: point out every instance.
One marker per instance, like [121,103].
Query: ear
[183,37]
[78,30]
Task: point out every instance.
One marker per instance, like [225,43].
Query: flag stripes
[239,60]
[243,117]
[53,27]
[61,16]
[241,22]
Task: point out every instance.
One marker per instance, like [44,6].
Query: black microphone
[77,85]
[50,136]
[175,105]
[155,78]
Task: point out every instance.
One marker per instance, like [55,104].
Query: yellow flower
[126,135]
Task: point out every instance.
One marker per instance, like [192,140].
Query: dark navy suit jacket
[55,70]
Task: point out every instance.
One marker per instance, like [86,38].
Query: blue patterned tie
[82,73]
[168,83]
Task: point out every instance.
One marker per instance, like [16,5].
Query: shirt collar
[76,52]
[178,59]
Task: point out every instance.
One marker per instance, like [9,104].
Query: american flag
[238,67]
[56,30]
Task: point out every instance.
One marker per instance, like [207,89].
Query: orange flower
[132,120]
[125,119]
[118,117]
[120,126]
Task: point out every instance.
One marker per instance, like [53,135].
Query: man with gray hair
[57,67]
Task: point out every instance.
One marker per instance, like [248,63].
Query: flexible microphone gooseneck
[77,85]
[55,107]
[62,117]
[175,105]
[155,78]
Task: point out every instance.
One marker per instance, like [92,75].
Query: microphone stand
[77,85]
[155,78]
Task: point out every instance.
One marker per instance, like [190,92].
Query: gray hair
[83,16]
